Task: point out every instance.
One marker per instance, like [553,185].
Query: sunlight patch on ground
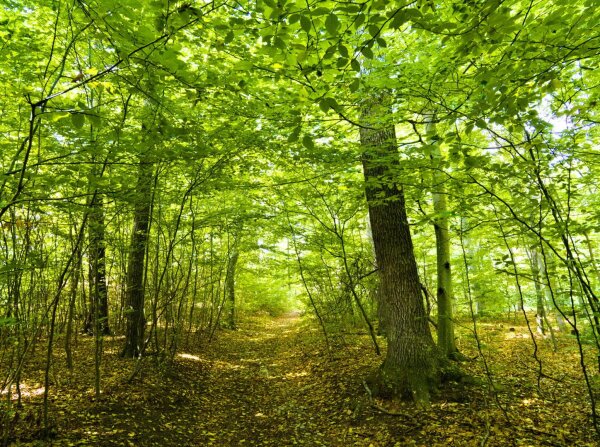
[261,337]
[513,335]
[221,364]
[26,391]
[188,356]
[296,375]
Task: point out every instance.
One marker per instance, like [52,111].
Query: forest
[299,222]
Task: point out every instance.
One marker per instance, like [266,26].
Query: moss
[415,384]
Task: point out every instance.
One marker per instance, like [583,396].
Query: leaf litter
[273,382]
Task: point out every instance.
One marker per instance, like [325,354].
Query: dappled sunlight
[27,390]
[259,338]
[188,357]
[516,335]
[295,375]
[224,365]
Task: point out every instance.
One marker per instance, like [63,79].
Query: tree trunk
[230,289]
[412,364]
[97,318]
[445,327]
[71,311]
[134,335]
[540,315]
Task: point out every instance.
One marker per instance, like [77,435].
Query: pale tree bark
[540,315]
[445,298]
[412,364]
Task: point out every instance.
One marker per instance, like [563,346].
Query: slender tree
[136,321]
[230,288]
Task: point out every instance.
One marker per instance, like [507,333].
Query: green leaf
[294,134]
[319,12]
[305,23]
[243,65]
[95,120]
[341,62]
[367,52]
[78,120]
[332,23]
[360,19]
[229,37]
[354,85]
[373,30]
[355,65]
[328,103]
[308,142]
[343,50]
[57,116]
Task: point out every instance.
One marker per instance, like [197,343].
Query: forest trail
[268,383]
[262,382]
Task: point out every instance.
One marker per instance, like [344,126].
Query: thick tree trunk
[134,335]
[412,364]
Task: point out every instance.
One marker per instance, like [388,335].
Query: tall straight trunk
[470,248]
[97,318]
[411,367]
[230,289]
[540,315]
[135,320]
[71,311]
[445,298]
[445,329]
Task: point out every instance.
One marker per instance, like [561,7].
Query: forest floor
[273,382]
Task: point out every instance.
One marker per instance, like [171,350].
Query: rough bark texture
[134,335]
[412,364]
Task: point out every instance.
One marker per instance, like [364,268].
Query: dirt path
[269,383]
[262,384]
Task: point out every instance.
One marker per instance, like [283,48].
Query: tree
[136,321]
[230,288]
[411,367]
[97,319]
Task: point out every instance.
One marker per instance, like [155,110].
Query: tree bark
[135,319]
[540,315]
[230,289]
[411,367]
[97,318]
[445,298]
